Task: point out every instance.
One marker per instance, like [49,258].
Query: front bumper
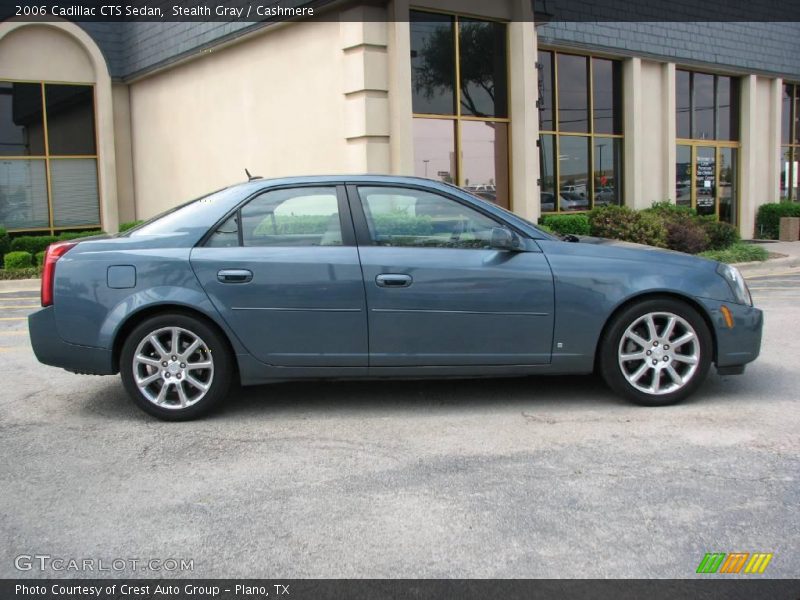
[50,349]
[737,345]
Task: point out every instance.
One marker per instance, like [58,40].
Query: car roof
[340,178]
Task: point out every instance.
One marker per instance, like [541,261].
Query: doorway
[706,179]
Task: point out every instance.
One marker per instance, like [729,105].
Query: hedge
[129,225]
[626,224]
[768,218]
[5,241]
[17,260]
[39,258]
[567,224]
[38,243]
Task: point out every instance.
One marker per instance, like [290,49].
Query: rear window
[172,220]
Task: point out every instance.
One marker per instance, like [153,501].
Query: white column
[748,178]
[668,131]
[634,131]
[522,94]
[400,107]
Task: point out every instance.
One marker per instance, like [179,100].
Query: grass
[737,253]
[27,273]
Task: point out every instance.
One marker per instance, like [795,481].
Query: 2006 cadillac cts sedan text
[378,276]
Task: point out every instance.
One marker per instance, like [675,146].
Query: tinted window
[573,172]
[573,93]
[683,104]
[482,48]
[434,149]
[433,71]
[172,221]
[293,217]
[547,173]
[546,91]
[70,119]
[21,126]
[606,89]
[484,160]
[416,218]
[703,106]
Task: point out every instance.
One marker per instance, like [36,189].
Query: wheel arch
[135,319]
[652,295]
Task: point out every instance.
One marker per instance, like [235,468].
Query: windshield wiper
[568,237]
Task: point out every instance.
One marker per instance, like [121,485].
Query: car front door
[284,273]
[437,293]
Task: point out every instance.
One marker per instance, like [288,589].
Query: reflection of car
[573,201]
[604,196]
[370,276]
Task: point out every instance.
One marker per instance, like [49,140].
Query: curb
[20,285]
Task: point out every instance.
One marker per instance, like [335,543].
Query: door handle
[234,275]
[393,280]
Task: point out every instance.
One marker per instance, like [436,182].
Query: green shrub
[401,223]
[74,235]
[720,235]
[768,218]
[17,260]
[567,224]
[39,258]
[739,252]
[666,208]
[26,273]
[129,225]
[5,241]
[32,243]
[685,234]
[623,223]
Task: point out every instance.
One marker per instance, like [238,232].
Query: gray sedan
[382,277]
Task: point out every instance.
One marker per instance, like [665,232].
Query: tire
[651,370]
[187,387]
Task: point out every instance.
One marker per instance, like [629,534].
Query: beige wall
[273,104]
[653,143]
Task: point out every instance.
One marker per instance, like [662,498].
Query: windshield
[547,235]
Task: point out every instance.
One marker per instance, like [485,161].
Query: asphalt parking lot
[531,477]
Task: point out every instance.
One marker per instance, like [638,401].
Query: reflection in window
[49,185]
[790,140]
[546,103]
[706,106]
[434,149]
[482,67]
[573,94]
[582,169]
[683,176]
[484,159]
[416,218]
[727,185]
[469,147]
[293,217]
[21,125]
[433,72]
[573,172]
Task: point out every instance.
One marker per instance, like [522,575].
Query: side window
[307,216]
[419,219]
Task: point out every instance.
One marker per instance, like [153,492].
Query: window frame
[48,156]
[457,117]
[345,217]
[590,135]
[792,146]
[364,237]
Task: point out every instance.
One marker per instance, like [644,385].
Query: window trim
[47,156]
[364,237]
[590,134]
[457,117]
[793,145]
[345,218]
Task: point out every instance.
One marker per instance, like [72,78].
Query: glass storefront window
[683,104]
[683,176]
[580,150]
[790,138]
[727,184]
[466,143]
[48,157]
[705,180]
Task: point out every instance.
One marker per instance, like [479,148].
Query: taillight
[51,256]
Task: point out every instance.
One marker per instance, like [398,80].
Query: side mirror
[504,239]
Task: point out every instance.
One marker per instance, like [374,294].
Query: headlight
[736,283]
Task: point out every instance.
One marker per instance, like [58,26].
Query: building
[102,123]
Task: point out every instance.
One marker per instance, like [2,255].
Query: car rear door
[437,295]
[284,273]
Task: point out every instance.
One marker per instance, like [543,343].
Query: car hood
[617,249]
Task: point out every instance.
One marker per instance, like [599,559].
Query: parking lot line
[13,318]
[14,332]
[18,306]
[765,276]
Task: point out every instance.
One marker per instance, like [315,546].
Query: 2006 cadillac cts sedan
[378,276]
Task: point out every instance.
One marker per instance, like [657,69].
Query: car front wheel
[656,352]
[176,367]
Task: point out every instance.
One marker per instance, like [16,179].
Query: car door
[283,271]
[437,293]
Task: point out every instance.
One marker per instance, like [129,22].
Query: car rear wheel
[656,352]
[176,367]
